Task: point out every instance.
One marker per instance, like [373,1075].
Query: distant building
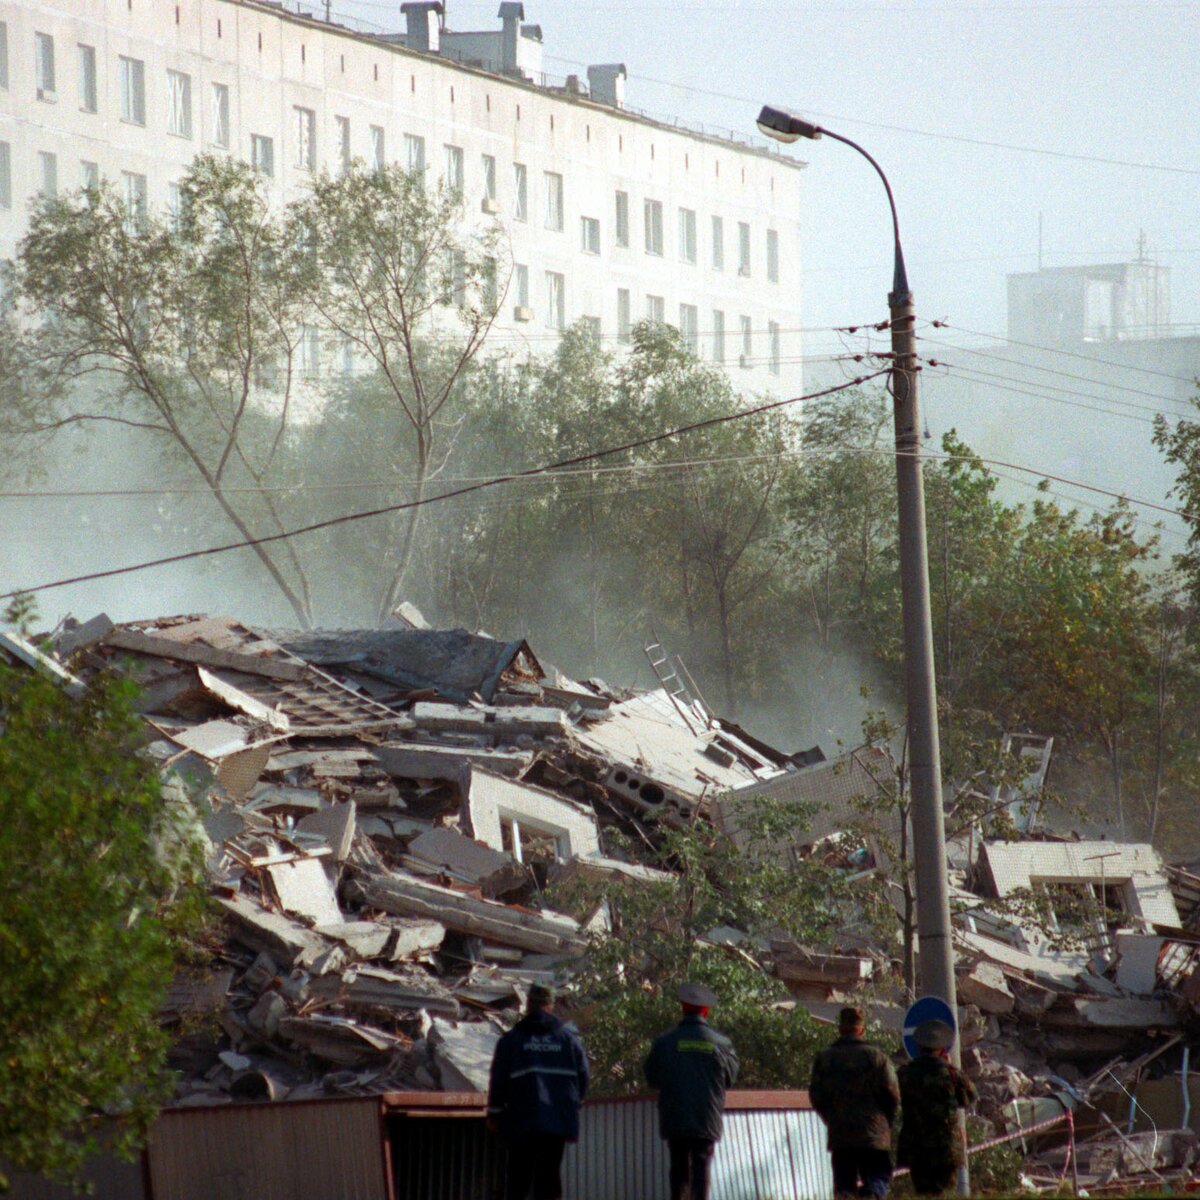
[1108,302]
[613,216]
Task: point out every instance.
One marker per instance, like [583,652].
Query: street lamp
[929,841]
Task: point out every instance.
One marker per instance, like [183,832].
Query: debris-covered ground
[382,811]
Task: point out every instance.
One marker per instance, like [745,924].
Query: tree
[187,331]
[626,982]
[406,287]
[100,879]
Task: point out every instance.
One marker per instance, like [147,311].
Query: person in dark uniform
[538,1081]
[691,1067]
[931,1093]
[855,1093]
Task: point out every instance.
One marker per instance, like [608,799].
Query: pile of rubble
[383,810]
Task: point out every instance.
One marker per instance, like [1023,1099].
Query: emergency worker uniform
[931,1093]
[539,1079]
[691,1067]
[855,1092]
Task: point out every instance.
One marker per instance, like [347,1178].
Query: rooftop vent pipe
[424,28]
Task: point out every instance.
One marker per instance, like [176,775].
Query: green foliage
[99,883]
[627,980]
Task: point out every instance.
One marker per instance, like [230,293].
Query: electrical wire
[348,518]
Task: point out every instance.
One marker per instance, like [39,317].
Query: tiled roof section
[457,664]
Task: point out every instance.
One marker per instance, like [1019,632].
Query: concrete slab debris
[528,821]
[463,1054]
[302,887]
[335,824]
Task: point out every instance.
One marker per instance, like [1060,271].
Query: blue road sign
[927,1008]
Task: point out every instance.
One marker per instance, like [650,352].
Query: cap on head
[851,1017]
[696,995]
[933,1035]
[541,995]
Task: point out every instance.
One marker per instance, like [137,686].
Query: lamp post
[929,839]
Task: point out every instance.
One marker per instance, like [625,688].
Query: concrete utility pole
[925,759]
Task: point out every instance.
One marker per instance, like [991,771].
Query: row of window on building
[132,88]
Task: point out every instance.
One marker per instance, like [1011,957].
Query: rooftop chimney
[607,81]
[511,16]
[423,24]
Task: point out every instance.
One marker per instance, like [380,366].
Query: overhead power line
[348,518]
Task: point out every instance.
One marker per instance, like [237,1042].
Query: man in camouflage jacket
[931,1093]
[854,1091]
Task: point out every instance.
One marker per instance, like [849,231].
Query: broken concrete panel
[463,1054]
[1137,960]
[985,986]
[280,798]
[214,739]
[494,803]
[240,771]
[336,824]
[261,973]
[80,637]
[365,939]
[502,724]
[261,930]
[407,895]
[268,1010]
[596,869]
[407,761]
[336,1039]
[412,938]
[241,700]
[1132,1012]
[831,971]
[374,988]
[449,851]
[302,887]
[197,652]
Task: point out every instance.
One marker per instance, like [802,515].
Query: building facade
[612,216]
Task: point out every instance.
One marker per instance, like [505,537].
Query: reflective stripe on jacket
[539,1078]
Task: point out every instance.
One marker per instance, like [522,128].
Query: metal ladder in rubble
[680,687]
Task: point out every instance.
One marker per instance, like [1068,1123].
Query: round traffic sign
[926,1008]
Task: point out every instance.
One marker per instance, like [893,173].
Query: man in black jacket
[690,1067]
[538,1081]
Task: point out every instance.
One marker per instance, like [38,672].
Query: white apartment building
[612,216]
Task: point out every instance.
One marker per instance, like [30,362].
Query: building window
[220,115]
[136,207]
[456,276]
[5,175]
[656,309]
[453,176]
[521,285]
[554,199]
[772,256]
[624,321]
[718,336]
[414,152]
[556,306]
[43,48]
[262,154]
[622,223]
[47,175]
[306,138]
[654,226]
[310,351]
[179,104]
[593,326]
[773,346]
[520,192]
[378,156]
[689,326]
[4,55]
[687,235]
[175,205]
[89,176]
[87,78]
[589,235]
[718,243]
[133,90]
[488,162]
[491,288]
[747,352]
[344,159]
[743,248]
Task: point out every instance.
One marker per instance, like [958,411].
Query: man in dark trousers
[854,1090]
[691,1067]
[538,1082]
[931,1093]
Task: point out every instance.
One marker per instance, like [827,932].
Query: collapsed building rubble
[381,812]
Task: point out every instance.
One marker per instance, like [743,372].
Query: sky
[922,86]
